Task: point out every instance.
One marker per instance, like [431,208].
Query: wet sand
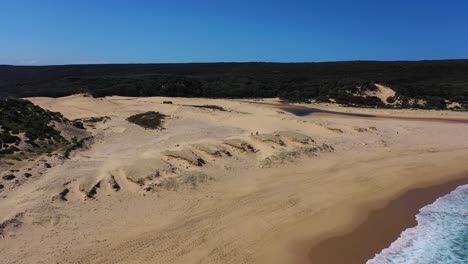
[381,228]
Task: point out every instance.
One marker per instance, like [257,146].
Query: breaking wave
[441,236]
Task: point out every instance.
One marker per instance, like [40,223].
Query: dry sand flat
[205,190]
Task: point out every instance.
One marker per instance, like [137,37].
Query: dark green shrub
[78,124]
[5,137]
[8,177]
[148,120]
[213,107]
[76,144]
[22,116]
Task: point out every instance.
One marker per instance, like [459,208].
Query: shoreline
[381,227]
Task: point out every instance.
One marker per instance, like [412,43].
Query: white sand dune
[383,93]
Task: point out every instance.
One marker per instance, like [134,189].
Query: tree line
[436,82]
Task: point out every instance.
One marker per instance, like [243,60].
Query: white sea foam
[441,236]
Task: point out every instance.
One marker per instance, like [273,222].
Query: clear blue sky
[104,31]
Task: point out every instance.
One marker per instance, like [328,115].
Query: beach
[381,227]
[264,185]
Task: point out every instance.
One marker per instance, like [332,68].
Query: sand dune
[253,184]
[383,93]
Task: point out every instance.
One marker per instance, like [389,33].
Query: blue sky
[103,31]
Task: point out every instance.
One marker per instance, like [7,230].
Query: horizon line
[225,62]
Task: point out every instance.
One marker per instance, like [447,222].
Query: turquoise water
[441,236]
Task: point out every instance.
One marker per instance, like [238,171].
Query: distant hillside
[423,84]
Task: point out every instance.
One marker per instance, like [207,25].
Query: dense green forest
[436,82]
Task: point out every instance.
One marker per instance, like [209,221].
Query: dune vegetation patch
[76,145]
[90,121]
[97,119]
[194,178]
[288,156]
[212,107]
[21,116]
[169,184]
[28,130]
[23,122]
[148,120]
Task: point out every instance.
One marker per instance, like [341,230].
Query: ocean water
[441,236]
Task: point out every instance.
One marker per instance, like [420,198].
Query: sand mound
[382,92]
[184,165]
[144,170]
[239,144]
[295,137]
[10,223]
[62,196]
[272,138]
[211,149]
[186,155]
[192,179]
[455,106]
[89,186]
[360,129]
[113,183]
[334,129]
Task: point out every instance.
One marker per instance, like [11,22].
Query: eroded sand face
[207,189]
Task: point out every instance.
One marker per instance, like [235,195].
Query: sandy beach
[251,184]
[381,227]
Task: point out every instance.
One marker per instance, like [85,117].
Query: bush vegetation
[148,120]
[75,145]
[432,81]
[23,117]
[31,128]
[213,107]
